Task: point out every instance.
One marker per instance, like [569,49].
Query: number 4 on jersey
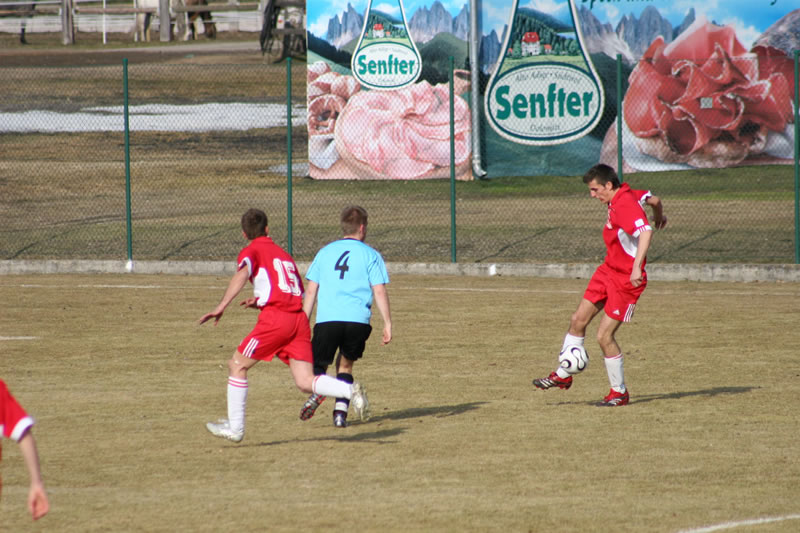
[341,264]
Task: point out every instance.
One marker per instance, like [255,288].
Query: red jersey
[626,220]
[273,274]
[14,421]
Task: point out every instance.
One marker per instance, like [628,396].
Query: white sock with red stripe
[325,385]
[237,400]
[616,372]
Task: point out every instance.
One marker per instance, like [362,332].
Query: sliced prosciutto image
[706,101]
[403,134]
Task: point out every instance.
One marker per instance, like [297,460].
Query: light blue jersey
[346,270]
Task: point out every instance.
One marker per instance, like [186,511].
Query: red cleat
[553,380]
[615,398]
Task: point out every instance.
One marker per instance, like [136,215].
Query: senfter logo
[545,103]
[386,56]
[386,65]
[544,90]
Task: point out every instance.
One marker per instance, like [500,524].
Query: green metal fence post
[289,151]
[619,118]
[129,265]
[796,158]
[452,164]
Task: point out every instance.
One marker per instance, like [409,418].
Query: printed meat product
[705,100]
[403,134]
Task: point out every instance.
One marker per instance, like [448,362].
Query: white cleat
[223,429]
[359,401]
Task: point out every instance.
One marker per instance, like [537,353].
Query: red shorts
[286,335]
[615,291]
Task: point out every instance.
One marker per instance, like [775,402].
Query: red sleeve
[14,421]
[632,218]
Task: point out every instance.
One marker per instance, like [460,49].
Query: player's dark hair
[254,223]
[602,174]
[352,218]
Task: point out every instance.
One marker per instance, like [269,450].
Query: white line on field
[18,338]
[731,525]
[469,289]
[565,291]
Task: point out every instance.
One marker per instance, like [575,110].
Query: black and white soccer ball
[573,359]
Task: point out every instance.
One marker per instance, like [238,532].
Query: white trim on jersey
[19,430]
[262,287]
[630,243]
[246,262]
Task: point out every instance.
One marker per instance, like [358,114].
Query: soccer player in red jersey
[282,329]
[617,284]
[15,424]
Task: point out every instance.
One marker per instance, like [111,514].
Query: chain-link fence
[209,141]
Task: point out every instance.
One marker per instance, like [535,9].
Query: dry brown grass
[121,380]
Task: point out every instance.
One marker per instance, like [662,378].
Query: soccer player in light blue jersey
[344,279]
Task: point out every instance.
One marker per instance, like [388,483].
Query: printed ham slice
[403,134]
[704,100]
[317,69]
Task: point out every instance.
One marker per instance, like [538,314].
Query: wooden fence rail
[69,8]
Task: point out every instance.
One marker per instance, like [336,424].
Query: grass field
[121,381]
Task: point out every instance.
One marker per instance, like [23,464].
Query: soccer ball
[573,359]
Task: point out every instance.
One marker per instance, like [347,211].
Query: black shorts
[348,337]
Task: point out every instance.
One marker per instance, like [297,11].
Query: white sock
[325,385]
[563,374]
[237,401]
[616,372]
[341,405]
[571,339]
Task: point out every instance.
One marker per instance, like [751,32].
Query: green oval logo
[386,65]
[544,103]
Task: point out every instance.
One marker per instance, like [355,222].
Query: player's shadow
[716,391]
[420,412]
[383,436]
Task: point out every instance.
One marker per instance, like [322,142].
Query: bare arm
[382,301]
[310,297]
[659,219]
[641,252]
[236,284]
[38,504]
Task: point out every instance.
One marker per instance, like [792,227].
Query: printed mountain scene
[382,26]
[536,35]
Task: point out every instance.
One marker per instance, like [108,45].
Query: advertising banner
[379,92]
[706,84]
[703,85]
